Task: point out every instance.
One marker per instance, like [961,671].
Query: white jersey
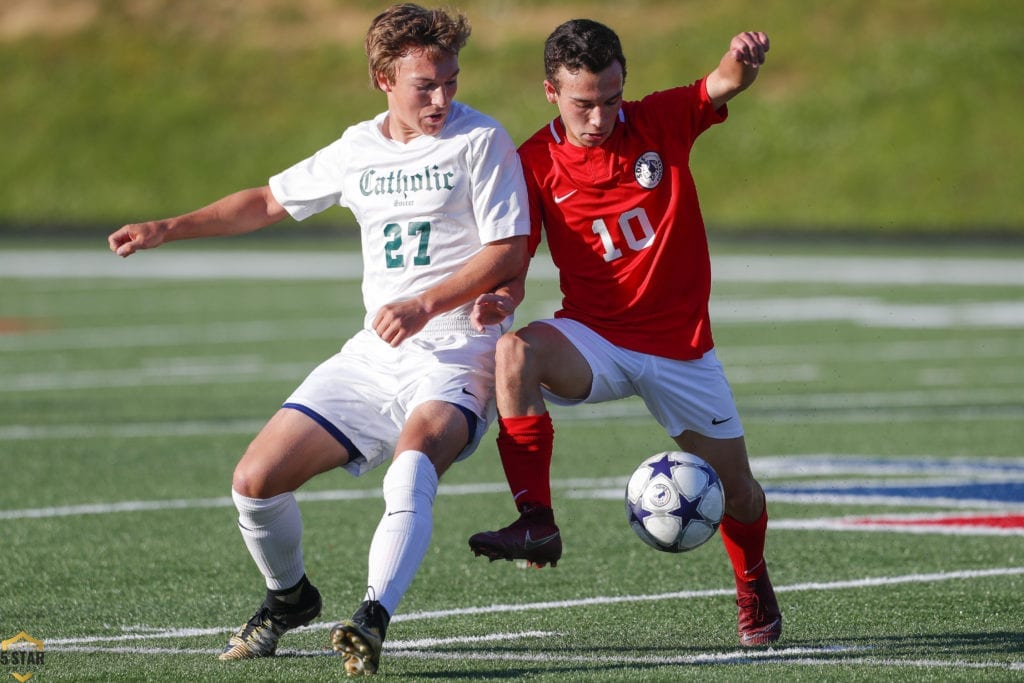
[424,207]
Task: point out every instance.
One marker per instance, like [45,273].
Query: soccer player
[437,189]
[610,183]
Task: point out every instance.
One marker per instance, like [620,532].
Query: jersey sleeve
[314,184]
[688,105]
[499,191]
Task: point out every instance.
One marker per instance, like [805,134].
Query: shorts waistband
[449,323]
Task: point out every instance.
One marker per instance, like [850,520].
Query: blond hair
[404,28]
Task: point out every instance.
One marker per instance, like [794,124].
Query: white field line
[798,656]
[36,432]
[93,644]
[868,312]
[769,656]
[923,470]
[175,334]
[834,499]
[79,645]
[876,465]
[24,432]
[846,525]
[234,372]
[233,369]
[171,263]
[477,489]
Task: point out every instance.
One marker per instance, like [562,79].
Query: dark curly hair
[581,44]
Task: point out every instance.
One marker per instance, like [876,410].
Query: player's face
[421,96]
[588,103]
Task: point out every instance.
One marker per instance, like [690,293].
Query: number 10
[627,221]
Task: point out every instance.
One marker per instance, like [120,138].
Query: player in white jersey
[438,192]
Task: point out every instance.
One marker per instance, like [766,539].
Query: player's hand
[490,309]
[749,48]
[130,238]
[397,321]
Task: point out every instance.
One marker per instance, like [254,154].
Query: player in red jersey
[610,182]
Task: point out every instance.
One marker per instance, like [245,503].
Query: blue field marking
[951,482]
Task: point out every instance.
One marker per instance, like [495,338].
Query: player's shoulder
[464,120]
[670,97]
[362,133]
[539,143]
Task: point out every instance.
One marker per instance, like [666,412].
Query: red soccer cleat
[760,620]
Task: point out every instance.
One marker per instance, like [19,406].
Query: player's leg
[744,498]
[743,531]
[536,356]
[288,451]
[435,434]
[692,400]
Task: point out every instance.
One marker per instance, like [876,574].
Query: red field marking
[21,325]
[1008,521]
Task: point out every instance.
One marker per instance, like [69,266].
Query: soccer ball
[674,501]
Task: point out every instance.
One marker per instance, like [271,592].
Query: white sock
[272,530]
[403,535]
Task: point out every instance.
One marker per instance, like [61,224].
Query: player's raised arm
[237,213]
[738,68]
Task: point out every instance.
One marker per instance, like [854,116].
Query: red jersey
[624,226]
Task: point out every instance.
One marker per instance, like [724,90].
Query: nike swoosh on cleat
[751,636]
[530,544]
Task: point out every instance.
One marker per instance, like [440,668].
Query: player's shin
[744,544]
[272,531]
[403,535]
[525,444]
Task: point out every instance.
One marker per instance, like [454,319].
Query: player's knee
[511,355]
[250,480]
[744,499]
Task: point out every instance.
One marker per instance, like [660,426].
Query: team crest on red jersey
[648,170]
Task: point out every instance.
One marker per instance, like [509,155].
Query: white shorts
[680,394]
[363,394]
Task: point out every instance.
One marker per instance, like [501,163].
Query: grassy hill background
[874,117]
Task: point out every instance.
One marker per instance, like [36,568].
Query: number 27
[392,254]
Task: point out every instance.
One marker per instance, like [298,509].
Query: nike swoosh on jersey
[562,198]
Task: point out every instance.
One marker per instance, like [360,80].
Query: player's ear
[382,82]
[551,92]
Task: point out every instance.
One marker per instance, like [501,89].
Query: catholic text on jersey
[430,179]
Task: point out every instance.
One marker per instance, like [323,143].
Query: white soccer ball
[674,501]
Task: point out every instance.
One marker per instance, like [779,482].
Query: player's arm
[497,263]
[237,213]
[738,68]
[490,308]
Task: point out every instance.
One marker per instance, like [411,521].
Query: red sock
[745,545]
[525,445]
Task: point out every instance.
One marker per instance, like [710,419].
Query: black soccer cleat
[258,637]
[533,537]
